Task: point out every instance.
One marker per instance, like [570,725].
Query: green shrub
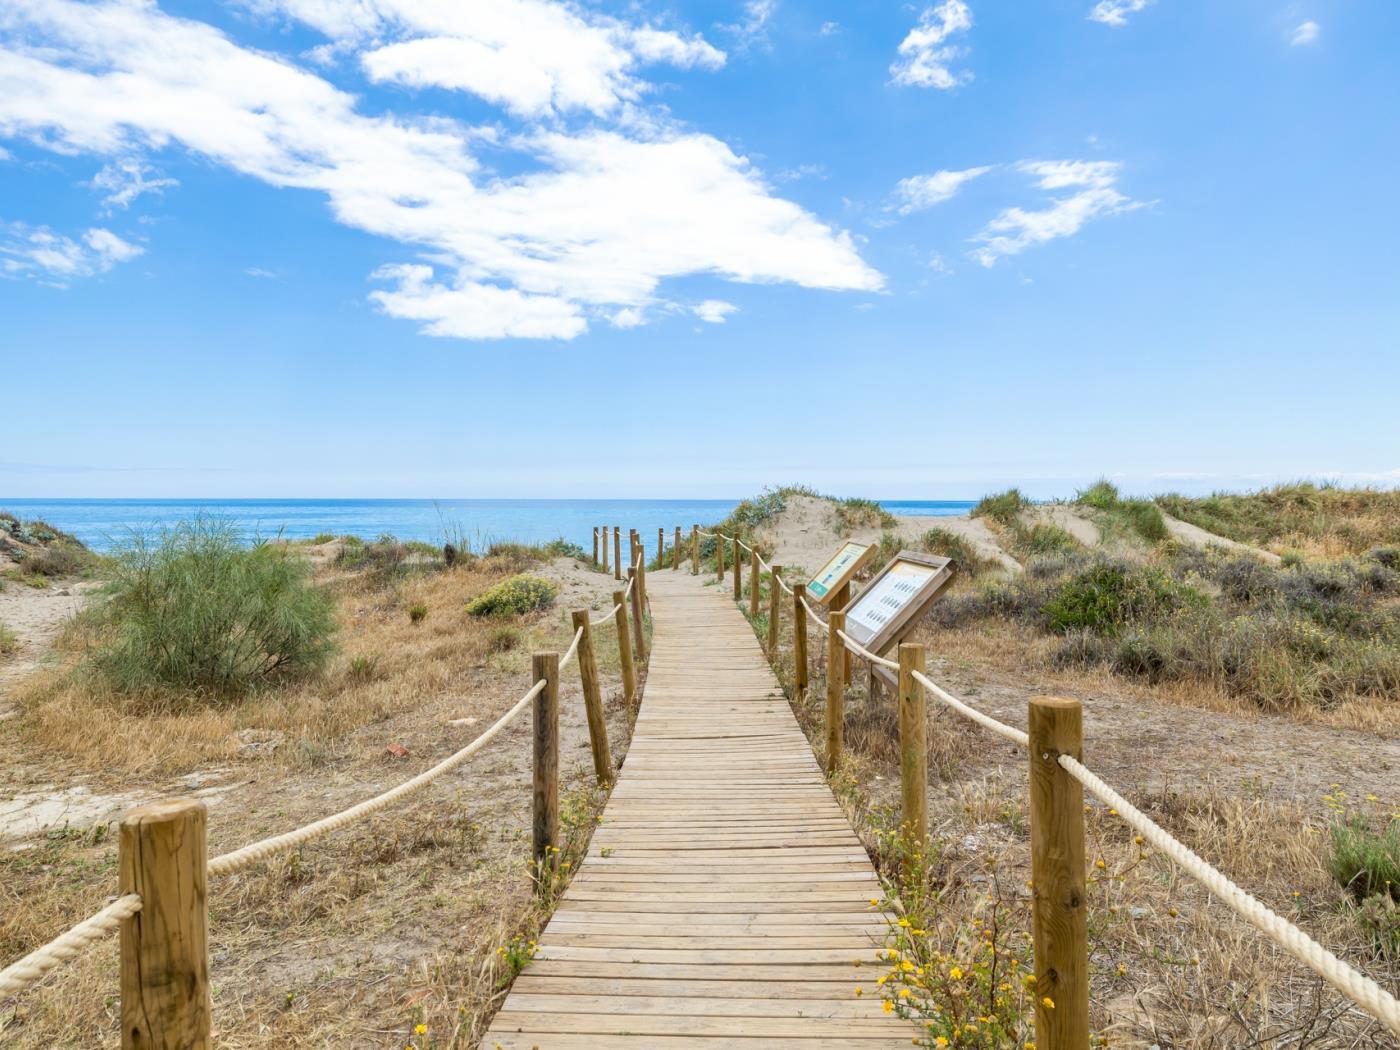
[417,612]
[1003,507]
[856,513]
[1366,862]
[1140,516]
[61,559]
[9,643]
[363,668]
[1109,596]
[1101,495]
[504,639]
[514,597]
[197,610]
[1045,538]
[562,548]
[320,538]
[950,545]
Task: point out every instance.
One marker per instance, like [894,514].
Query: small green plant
[1140,516]
[1365,862]
[417,612]
[514,597]
[562,548]
[856,513]
[363,667]
[1101,495]
[1002,507]
[194,609]
[504,639]
[9,643]
[950,545]
[320,538]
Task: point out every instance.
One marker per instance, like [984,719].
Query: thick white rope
[860,650]
[569,655]
[812,617]
[251,854]
[1360,989]
[67,946]
[606,618]
[1016,736]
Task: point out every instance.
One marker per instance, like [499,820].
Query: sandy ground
[1188,533]
[805,535]
[1072,521]
[35,615]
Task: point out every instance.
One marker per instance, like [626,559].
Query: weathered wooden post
[753,581]
[1058,912]
[624,646]
[595,544]
[835,692]
[165,946]
[546,784]
[913,745]
[639,634]
[695,550]
[660,547]
[799,643]
[641,558]
[774,610]
[605,548]
[719,557]
[839,601]
[738,576]
[676,551]
[593,698]
[617,552]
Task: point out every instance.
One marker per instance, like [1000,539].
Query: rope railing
[1356,986]
[156,997]
[67,946]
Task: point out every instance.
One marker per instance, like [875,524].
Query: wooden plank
[724,900]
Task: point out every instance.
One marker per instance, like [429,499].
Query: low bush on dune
[950,545]
[1322,519]
[856,513]
[1318,634]
[1002,507]
[196,610]
[8,642]
[1141,517]
[514,597]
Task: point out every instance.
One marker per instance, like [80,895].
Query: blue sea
[105,523]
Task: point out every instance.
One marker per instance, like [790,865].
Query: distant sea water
[105,523]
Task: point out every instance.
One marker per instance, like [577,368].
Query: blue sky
[531,248]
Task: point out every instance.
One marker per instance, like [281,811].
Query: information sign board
[898,596]
[839,571]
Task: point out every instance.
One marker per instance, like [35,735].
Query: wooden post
[695,550]
[165,946]
[639,634]
[913,745]
[774,610]
[719,557]
[738,576]
[660,547]
[835,692]
[676,551]
[617,552]
[546,794]
[624,647]
[595,544]
[642,575]
[753,581]
[605,548]
[593,698]
[1057,876]
[839,601]
[799,644]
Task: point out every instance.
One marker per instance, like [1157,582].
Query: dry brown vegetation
[356,939]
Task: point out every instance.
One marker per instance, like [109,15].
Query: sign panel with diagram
[838,573]
[896,598]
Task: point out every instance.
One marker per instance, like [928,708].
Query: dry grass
[357,938]
[1170,966]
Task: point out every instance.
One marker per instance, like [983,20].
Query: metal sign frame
[928,591]
[841,582]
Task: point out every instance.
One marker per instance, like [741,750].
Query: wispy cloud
[125,180]
[924,191]
[589,222]
[39,252]
[751,30]
[1116,12]
[1095,196]
[258,271]
[714,311]
[1305,33]
[925,56]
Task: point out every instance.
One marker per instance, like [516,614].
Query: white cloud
[258,271]
[939,265]
[752,29]
[1305,33]
[595,221]
[126,179]
[1016,229]
[925,54]
[924,191]
[1116,12]
[38,251]
[714,311]
[532,56]
[830,28]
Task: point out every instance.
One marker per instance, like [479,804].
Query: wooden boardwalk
[725,899]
